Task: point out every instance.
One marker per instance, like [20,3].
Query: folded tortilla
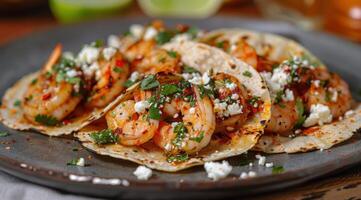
[203,58]
[278,48]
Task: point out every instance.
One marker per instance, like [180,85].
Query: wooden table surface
[343,185]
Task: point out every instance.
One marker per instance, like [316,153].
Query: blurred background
[341,17]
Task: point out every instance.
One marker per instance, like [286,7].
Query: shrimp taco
[68,92]
[312,108]
[172,121]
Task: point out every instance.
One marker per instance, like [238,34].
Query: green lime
[180,8]
[68,11]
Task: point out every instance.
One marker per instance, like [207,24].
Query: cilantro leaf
[17,103]
[149,82]
[169,89]
[4,134]
[163,37]
[220,44]
[193,31]
[178,158]
[199,138]
[247,74]
[46,120]
[180,130]
[172,54]
[188,69]
[117,69]
[105,136]
[300,110]
[277,169]
[128,83]
[154,112]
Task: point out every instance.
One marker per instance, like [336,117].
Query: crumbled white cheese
[270,164]
[231,85]
[175,115]
[150,33]
[217,170]
[80,162]
[298,131]
[182,37]
[230,128]
[320,114]
[243,175]
[174,124]
[316,83]
[234,109]
[252,174]
[235,96]
[205,78]
[136,30]
[109,52]
[219,107]
[141,106]
[262,160]
[277,80]
[192,110]
[71,73]
[143,173]
[250,164]
[334,94]
[68,55]
[349,113]
[134,76]
[196,79]
[90,70]
[88,55]
[288,95]
[113,41]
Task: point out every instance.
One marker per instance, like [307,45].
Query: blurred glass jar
[180,8]
[307,14]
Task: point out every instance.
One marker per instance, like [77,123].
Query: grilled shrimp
[332,92]
[132,126]
[158,60]
[110,83]
[237,47]
[195,128]
[231,106]
[48,96]
[283,118]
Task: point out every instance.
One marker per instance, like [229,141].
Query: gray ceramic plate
[42,159]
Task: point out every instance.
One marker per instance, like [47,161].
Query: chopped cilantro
[172,54]
[253,100]
[193,31]
[48,75]
[277,169]
[199,138]
[128,83]
[324,83]
[46,120]
[180,130]
[205,91]
[178,158]
[4,134]
[220,44]
[188,69]
[247,73]
[278,97]
[163,37]
[169,89]
[300,110]
[98,43]
[191,100]
[149,82]
[17,103]
[73,80]
[117,70]
[34,81]
[328,96]
[154,112]
[105,136]
[76,162]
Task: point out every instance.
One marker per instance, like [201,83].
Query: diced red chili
[119,63]
[46,96]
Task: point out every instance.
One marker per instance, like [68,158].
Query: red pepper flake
[66,121]
[119,63]
[46,96]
